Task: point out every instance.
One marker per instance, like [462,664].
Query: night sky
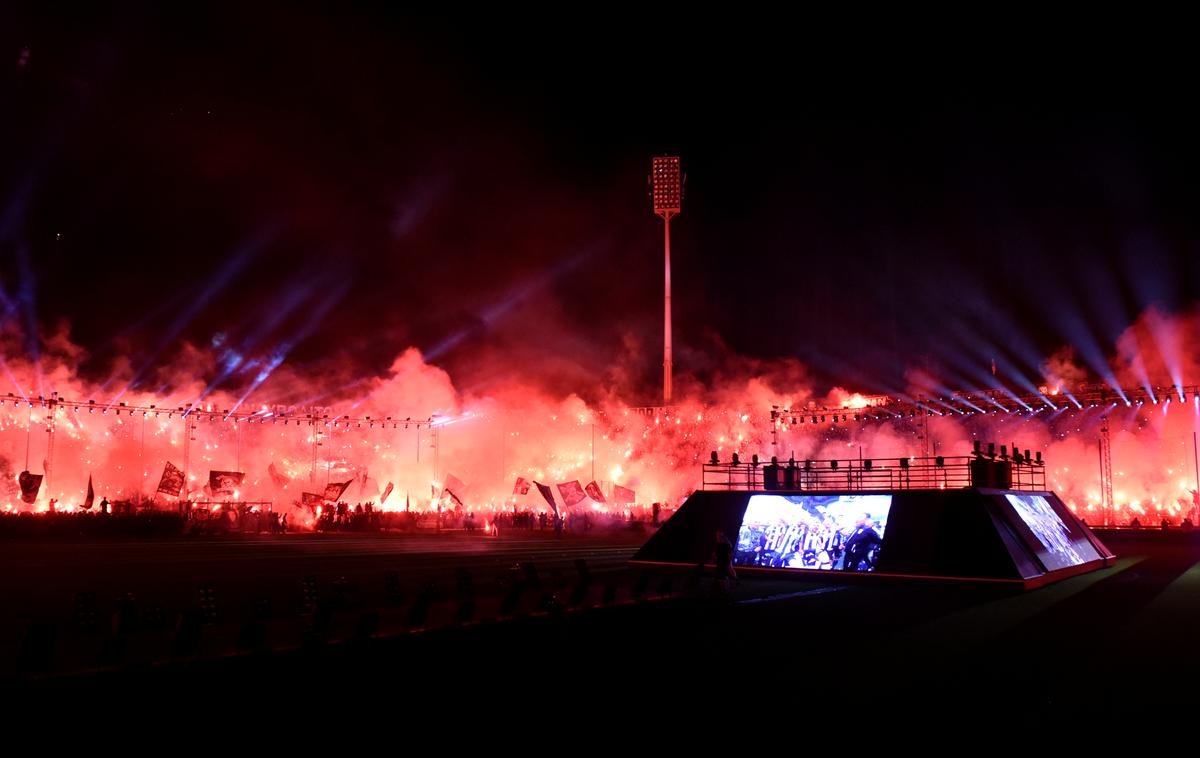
[333,186]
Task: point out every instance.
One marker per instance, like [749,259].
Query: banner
[521,487]
[171,482]
[622,495]
[311,500]
[277,478]
[593,491]
[333,492]
[224,483]
[30,484]
[386,491]
[548,494]
[91,496]
[572,492]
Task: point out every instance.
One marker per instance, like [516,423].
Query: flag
[455,498]
[454,484]
[623,495]
[548,494]
[311,500]
[572,492]
[593,491]
[333,492]
[369,489]
[386,491]
[30,484]
[171,482]
[279,479]
[91,496]
[521,487]
[224,483]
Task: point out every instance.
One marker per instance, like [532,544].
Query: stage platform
[1022,538]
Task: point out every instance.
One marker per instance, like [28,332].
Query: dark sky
[334,185]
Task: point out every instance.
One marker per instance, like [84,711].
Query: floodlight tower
[666,190]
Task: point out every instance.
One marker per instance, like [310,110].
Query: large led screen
[816,532]
[1061,545]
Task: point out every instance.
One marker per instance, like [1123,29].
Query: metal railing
[939,472]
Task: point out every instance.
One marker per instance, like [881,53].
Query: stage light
[713,459]
[736,460]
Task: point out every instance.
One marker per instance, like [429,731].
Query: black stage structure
[985,517]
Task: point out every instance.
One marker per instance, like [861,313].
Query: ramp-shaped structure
[1025,537]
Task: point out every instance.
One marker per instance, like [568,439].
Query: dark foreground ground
[517,623]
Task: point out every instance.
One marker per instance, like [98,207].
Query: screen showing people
[816,532]
[1063,546]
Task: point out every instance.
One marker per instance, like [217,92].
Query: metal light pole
[666,190]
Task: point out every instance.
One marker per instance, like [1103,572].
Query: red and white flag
[521,487]
[572,493]
[593,491]
[386,491]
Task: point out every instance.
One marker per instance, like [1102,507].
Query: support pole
[667,310]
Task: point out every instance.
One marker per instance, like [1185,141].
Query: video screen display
[1062,545]
[816,532]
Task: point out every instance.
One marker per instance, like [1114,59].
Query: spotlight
[713,459]
[736,460]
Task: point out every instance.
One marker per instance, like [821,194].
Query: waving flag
[454,485]
[623,495]
[224,483]
[30,484]
[593,491]
[548,494]
[277,478]
[386,491]
[333,492]
[521,487]
[572,492]
[311,500]
[91,496]
[171,482]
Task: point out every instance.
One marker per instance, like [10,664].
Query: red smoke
[517,429]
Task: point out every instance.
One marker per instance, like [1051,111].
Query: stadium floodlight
[666,192]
